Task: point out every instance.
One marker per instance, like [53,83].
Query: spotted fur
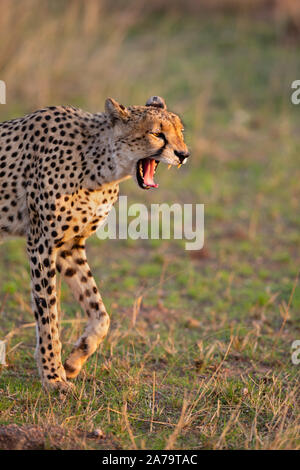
[60,169]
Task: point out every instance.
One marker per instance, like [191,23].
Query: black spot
[70,272]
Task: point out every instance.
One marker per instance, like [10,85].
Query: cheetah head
[144,136]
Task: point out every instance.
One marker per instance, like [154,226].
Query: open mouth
[145,171]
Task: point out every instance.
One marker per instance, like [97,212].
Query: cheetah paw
[62,386]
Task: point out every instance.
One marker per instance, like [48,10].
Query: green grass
[212,339]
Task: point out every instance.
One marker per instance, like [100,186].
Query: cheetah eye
[158,134]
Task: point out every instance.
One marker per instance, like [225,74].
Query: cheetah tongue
[149,170]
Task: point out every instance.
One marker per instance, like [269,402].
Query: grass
[199,351]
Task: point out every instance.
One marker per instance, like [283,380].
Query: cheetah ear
[116,110]
[157,102]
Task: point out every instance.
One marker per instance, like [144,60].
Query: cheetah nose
[182,156]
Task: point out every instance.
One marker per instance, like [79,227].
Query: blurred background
[226,66]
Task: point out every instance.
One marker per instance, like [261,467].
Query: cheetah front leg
[73,265]
[44,303]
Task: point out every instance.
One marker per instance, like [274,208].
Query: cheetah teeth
[141,169]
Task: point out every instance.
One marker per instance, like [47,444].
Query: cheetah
[60,169]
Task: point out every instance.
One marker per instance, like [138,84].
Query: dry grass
[70,49]
[258,413]
[59,56]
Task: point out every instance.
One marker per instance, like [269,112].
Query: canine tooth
[179,165]
[169,166]
[184,161]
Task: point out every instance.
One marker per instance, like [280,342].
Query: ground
[199,351]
